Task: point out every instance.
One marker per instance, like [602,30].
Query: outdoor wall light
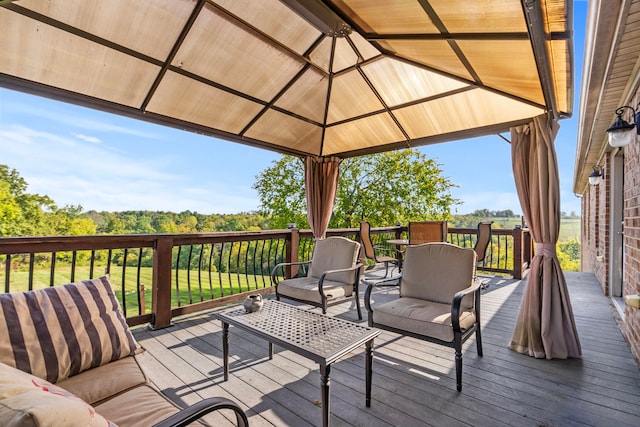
[621,132]
[596,175]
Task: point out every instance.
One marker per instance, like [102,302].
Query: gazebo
[324,80]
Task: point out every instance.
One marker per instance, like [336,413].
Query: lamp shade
[594,177]
[621,137]
[621,132]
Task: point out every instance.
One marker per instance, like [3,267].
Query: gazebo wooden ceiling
[303,77]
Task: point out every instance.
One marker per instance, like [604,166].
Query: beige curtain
[545,327]
[321,181]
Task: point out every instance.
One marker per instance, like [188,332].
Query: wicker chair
[373,252]
[333,275]
[439,299]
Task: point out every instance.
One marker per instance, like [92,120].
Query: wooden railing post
[292,249]
[517,252]
[161,288]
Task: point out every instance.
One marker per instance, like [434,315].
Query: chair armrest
[196,411]
[341,270]
[457,300]
[274,272]
[371,285]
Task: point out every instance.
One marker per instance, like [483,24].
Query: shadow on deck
[413,381]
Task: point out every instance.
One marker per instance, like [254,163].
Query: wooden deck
[413,381]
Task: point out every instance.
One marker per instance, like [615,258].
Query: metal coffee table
[315,336]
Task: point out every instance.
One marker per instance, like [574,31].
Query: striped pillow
[58,332]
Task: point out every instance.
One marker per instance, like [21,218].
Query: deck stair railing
[160,276]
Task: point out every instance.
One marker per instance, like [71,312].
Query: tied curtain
[545,327]
[321,181]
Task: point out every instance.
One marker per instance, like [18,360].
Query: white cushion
[26,400]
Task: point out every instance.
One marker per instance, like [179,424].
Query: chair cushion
[102,382]
[436,271]
[58,332]
[306,288]
[421,317]
[26,400]
[334,253]
[140,406]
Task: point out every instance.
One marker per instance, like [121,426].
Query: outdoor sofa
[67,358]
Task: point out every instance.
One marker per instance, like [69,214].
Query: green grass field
[190,288]
[569,227]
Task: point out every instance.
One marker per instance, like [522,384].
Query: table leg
[225,349]
[369,371]
[325,393]
[270,350]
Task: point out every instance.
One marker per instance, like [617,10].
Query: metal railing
[160,276]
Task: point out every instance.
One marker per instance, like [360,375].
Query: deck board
[413,381]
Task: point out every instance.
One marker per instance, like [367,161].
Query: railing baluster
[31,264]
[139,286]
[91,263]
[264,243]
[254,256]
[210,265]
[189,274]
[7,274]
[177,279]
[200,271]
[238,266]
[246,267]
[108,268]
[123,288]
[220,269]
[73,266]
[52,271]
[229,268]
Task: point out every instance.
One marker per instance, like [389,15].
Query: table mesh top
[315,332]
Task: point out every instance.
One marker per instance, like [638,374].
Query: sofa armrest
[198,410]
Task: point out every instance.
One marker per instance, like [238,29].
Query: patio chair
[439,299]
[483,240]
[427,231]
[372,251]
[333,275]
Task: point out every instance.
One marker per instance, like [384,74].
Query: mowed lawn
[569,227]
[193,286]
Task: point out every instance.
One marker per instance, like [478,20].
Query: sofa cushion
[26,400]
[58,332]
[140,406]
[102,382]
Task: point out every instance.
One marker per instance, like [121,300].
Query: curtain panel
[545,327]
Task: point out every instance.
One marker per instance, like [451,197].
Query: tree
[385,189]
[25,214]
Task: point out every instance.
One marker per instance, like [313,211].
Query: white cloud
[75,120]
[97,177]
[92,139]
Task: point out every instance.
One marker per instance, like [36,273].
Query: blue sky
[101,161]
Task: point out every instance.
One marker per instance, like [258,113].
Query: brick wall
[595,231]
[595,236]
[631,279]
